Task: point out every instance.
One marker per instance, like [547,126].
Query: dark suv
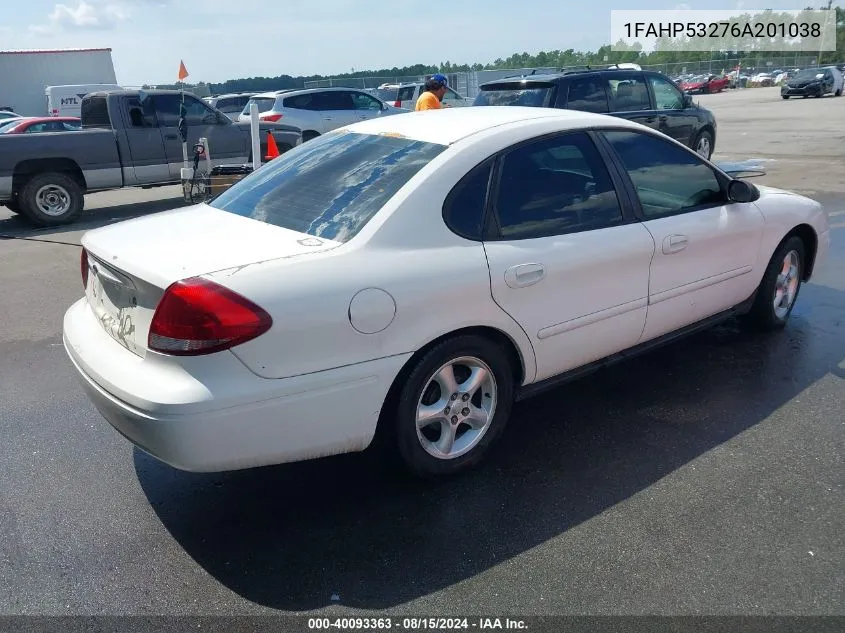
[644,96]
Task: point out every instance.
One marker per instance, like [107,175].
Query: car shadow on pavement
[348,530]
[16,227]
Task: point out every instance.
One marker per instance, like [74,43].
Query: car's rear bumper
[213,414]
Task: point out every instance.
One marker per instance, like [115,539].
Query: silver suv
[319,110]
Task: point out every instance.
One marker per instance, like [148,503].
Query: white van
[67,100]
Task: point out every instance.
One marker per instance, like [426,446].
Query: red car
[31,125]
[705,84]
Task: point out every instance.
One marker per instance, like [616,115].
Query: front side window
[451,95]
[555,186]
[167,111]
[141,114]
[329,187]
[666,95]
[668,178]
[363,101]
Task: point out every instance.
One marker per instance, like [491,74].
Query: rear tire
[472,378]
[51,199]
[309,135]
[781,283]
[703,144]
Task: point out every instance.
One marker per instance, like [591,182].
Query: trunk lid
[130,264]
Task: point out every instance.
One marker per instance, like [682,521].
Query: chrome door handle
[523,275]
[674,244]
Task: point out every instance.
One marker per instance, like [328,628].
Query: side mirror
[742,191]
[687,100]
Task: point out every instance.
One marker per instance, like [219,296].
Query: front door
[366,107]
[705,259]
[673,118]
[566,262]
[146,146]
[227,143]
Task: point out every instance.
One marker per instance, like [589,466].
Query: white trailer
[25,75]
[67,100]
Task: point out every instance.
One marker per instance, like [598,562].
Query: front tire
[51,199]
[452,407]
[778,291]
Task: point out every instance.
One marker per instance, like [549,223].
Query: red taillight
[270,117]
[397,104]
[83,266]
[196,316]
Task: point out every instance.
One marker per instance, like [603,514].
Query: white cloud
[84,16]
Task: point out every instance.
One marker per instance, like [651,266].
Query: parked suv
[318,110]
[644,96]
[231,104]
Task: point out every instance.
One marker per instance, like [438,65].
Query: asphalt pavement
[703,478]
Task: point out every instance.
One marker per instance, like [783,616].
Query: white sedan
[415,275]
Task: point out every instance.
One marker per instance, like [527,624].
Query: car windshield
[5,125]
[808,73]
[329,187]
[516,94]
[264,104]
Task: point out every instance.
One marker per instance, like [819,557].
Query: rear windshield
[538,95]
[387,94]
[264,104]
[331,186]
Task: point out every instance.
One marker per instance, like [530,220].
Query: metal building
[25,74]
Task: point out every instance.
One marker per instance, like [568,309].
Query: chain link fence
[466,83]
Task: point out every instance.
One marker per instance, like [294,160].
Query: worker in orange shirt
[433,93]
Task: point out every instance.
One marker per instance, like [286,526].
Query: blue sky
[223,39]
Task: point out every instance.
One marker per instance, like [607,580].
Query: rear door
[337,108]
[567,259]
[587,93]
[630,98]
[148,158]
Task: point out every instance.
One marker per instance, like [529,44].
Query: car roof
[450,125]
[291,92]
[553,77]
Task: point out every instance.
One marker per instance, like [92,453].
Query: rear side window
[538,95]
[555,186]
[629,94]
[463,210]
[587,94]
[329,187]
[95,112]
[301,102]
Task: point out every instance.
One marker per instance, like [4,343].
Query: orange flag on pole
[183,72]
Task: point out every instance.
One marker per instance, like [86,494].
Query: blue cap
[441,78]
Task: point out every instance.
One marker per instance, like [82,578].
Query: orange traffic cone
[272,148]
